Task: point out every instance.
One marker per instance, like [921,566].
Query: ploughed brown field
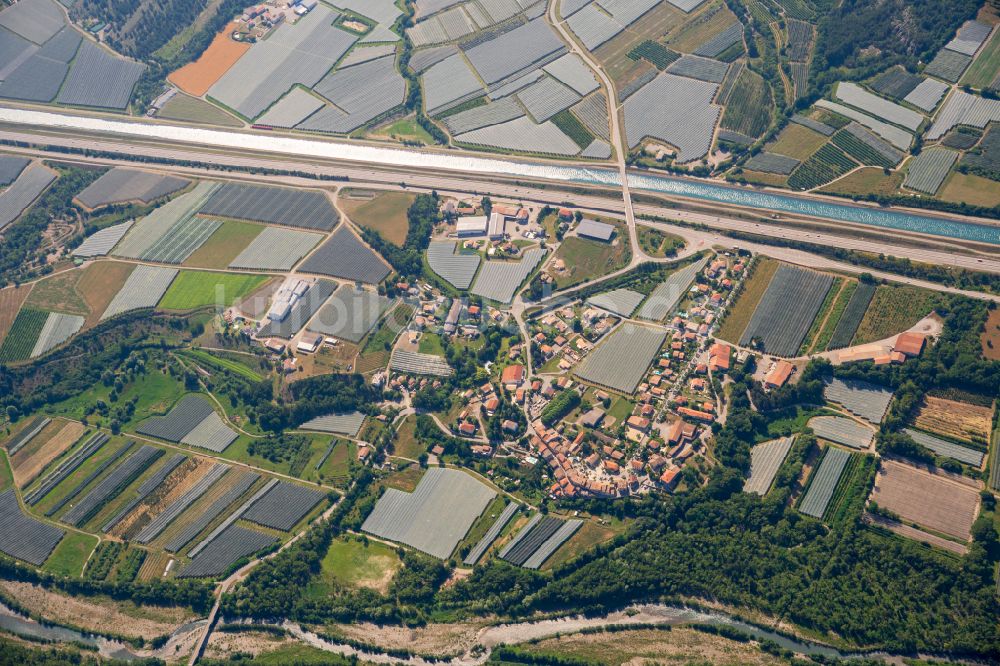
[48,445]
[197,77]
[933,500]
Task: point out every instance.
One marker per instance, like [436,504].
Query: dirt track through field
[32,462]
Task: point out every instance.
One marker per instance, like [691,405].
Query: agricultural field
[865,181]
[826,324]
[936,501]
[385,212]
[197,77]
[958,421]
[193,110]
[982,73]
[223,246]
[786,311]
[11,299]
[754,287]
[797,141]
[830,307]
[971,189]
[59,293]
[749,106]
[825,165]
[852,316]
[57,438]
[20,340]
[893,309]
[193,289]
[417,518]
[823,482]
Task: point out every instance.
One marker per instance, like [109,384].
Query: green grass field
[797,141]
[23,334]
[197,289]
[385,212]
[406,444]
[225,363]
[6,475]
[189,109]
[984,68]
[430,343]
[588,259]
[155,393]
[407,130]
[351,563]
[225,244]
[70,555]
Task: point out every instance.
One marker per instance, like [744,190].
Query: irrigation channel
[397,157]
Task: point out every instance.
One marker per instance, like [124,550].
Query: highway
[917,247]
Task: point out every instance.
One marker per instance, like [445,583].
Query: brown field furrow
[175,485]
[27,467]
[11,299]
[929,499]
[217,489]
[197,77]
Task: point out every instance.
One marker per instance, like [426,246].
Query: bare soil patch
[30,462]
[646,646]
[99,284]
[11,299]
[255,305]
[99,614]
[934,500]
[175,485]
[434,639]
[197,77]
[991,336]
[224,644]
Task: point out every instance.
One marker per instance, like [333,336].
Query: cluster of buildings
[907,345]
[492,226]
[554,335]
